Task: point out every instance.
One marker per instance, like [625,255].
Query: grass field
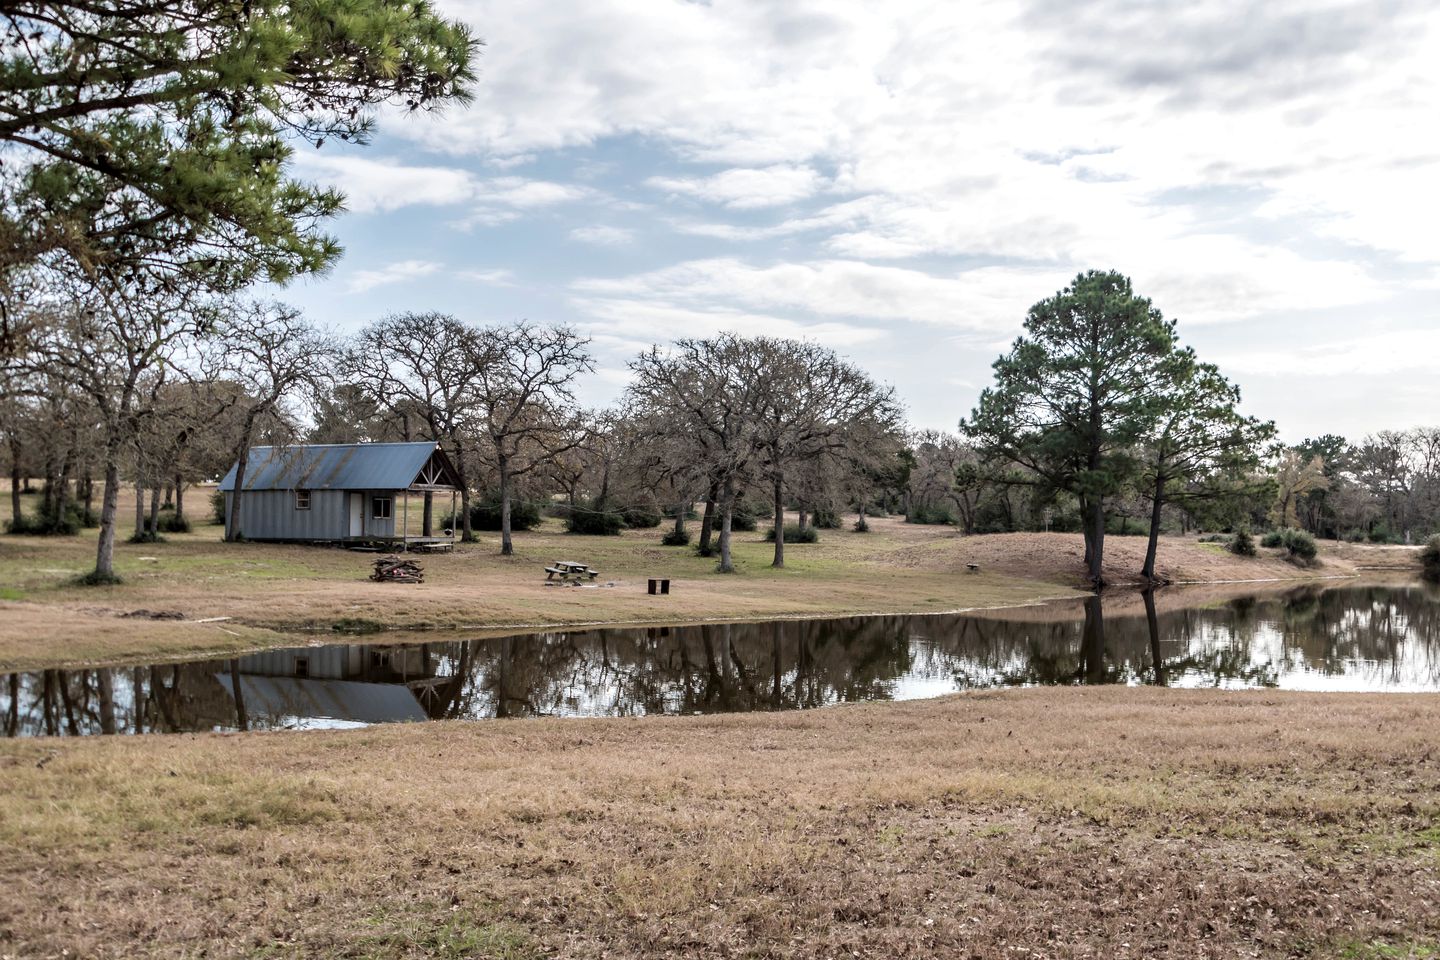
[1059,823]
[272,594]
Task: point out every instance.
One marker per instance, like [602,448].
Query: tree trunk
[680,510]
[467,531]
[71,726]
[861,524]
[779,560]
[62,491]
[152,527]
[1153,623]
[139,510]
[242,719]
[105,683]
[507,548]
[1093,642]
[15,485]
[707,522]
[47,705]
[427,522]
[109,506]
[727,508]
[234,527]
[47,493]
[179,498]
[1148,571]
[137,693]
[12,716]
[233,530]
[804,519]
[1097,548]
[87,483]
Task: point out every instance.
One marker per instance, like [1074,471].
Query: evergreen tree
[1076,394]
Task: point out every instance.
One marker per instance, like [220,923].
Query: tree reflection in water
[1355,638]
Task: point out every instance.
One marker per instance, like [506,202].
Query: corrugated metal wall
[340,662]
[271,515]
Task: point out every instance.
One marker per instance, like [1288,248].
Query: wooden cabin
[346,493]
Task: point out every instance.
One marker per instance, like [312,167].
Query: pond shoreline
[319,635]
[1317,635]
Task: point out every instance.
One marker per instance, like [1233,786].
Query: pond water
[1313,637]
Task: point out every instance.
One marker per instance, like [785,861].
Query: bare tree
[708,390]
[426,365]
[523,400]
[271,352]
[806,403]
[106,337]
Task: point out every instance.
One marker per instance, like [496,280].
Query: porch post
[405,524]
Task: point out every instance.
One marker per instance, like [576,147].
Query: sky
[901,180]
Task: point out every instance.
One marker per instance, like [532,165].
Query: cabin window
[380,508]
[302,499]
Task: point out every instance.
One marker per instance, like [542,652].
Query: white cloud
[404,270]
[382,185]
[629,326]
[746,189]
[603,236]
[498,277]
[865,163]
[1378,353]
[372,185]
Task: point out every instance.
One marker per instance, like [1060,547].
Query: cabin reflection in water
[1308,637]
[334,685]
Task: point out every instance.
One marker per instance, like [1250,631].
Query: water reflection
[1338,638]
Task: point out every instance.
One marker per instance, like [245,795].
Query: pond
[1311,637]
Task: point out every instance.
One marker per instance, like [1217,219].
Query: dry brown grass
[276,593]
[1058,823]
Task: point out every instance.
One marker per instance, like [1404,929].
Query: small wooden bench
[973,567]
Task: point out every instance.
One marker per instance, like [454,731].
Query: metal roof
[343,700]
[333,466]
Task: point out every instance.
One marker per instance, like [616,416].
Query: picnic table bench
[565,569]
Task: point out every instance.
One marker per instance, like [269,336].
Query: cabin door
[357,514]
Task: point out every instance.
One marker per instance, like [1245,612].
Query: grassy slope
[273,594]
[1067,822]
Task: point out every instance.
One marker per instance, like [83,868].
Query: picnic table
[566,569]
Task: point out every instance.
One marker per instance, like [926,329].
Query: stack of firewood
[396,570]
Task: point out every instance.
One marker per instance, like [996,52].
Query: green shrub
[1273,539]
[675,538]
[741,519]
[793,534]
[217,509]
[1299,547]
[47,522]
[591,522]
[1430,559]
[1242,544]
[825,518]
[930,515]
[485,515]
[1214,538]
[144,536]
[641,517]
[170,523]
